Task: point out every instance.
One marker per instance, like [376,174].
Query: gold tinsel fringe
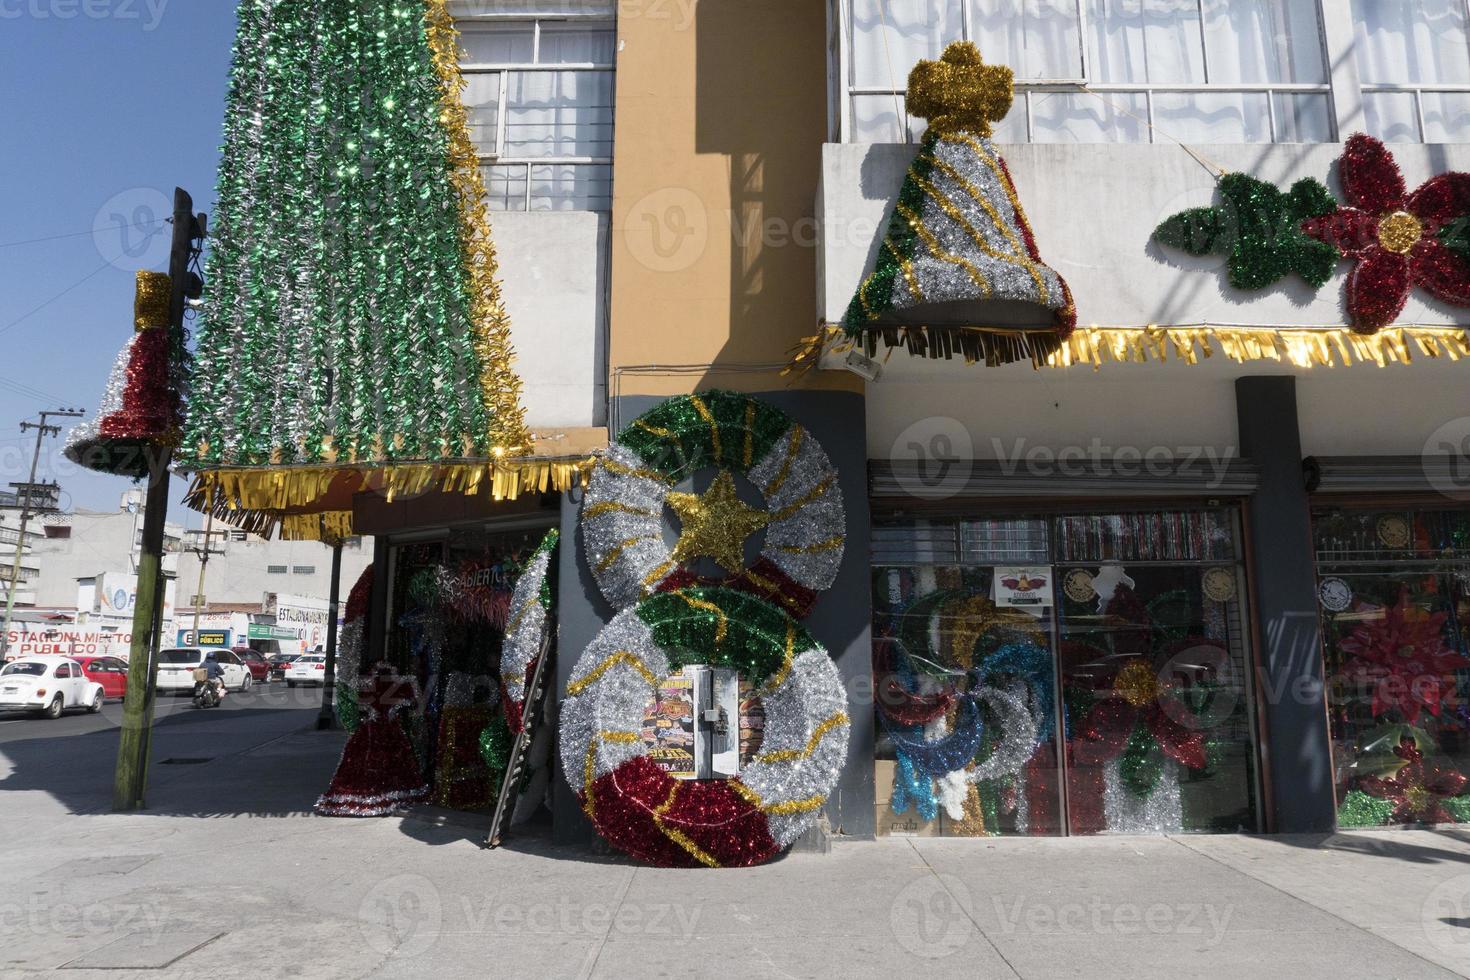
[259,500]
[500,386]
[1302,347]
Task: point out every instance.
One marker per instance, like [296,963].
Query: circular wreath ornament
[803,518]
[672,822]
[530,621]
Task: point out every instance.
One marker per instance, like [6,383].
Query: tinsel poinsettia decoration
[1400,240]
[1259,227]
[1405,657]
[1418,791]
[1136,712]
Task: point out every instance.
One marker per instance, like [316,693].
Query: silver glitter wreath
[806,729]
[623,518]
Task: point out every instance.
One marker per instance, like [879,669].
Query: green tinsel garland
[495,742]
[1361,810]
[1142,763]
[743,430]
[349,712]
[1459,807]
[722,628]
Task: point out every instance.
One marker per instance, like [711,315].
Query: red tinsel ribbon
[763,579]
[677,823]
[150,406]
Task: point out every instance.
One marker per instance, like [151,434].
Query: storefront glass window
[1051,674]
[1394,599]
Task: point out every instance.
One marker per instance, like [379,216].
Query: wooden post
[131,778]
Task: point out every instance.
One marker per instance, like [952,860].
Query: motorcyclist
[214,673]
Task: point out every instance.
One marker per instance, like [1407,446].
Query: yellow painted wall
[721,116]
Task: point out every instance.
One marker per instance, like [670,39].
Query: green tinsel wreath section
[723,628]
[710,429]
[1259,227]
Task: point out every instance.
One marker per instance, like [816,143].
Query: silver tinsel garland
[529,623]
[1161,812]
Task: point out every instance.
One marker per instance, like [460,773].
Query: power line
[26,316]
[157,225]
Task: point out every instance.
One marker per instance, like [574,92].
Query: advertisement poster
[1023,586]
[668,727]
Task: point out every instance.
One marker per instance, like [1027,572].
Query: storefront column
[1291,684]
[842,620]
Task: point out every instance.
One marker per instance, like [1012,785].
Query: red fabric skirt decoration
[378,775]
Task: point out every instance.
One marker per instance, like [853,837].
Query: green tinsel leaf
[1456,237]
[1198,231]
[1142,763]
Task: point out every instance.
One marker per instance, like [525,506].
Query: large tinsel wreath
[803,520]
[531,605]
[737,822]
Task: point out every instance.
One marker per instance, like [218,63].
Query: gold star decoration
[716,524]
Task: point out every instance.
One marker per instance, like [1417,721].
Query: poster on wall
[668,727]
[1023,586]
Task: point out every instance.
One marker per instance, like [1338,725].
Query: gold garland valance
[296,499]
[1302,347]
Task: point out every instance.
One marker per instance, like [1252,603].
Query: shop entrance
[1063,673]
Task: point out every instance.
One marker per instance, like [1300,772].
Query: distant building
[78,583]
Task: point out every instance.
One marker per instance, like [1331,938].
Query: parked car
[49,685]
[260,670]
[308,669]
[280,663]
[176,669]
[110,672]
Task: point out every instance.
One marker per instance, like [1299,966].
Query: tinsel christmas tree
[352,313]
[958,234]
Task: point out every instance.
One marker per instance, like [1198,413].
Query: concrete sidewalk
[230,876]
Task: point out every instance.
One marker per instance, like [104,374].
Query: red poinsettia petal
[1371,180]
[1441,199]
[1377,289]
[1348,230]
[1440,272]
[1393,692]
[1383,789]
[1182,743]
[1104,732]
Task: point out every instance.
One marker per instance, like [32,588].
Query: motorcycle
[206,695]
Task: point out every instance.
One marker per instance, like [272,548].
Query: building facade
[1235,530]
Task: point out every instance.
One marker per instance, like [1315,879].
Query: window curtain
[1156,42]
[1425,42]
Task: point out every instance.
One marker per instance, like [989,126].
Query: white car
[49,685]
[310,669]
[176,669]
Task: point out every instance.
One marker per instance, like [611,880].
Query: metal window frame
[496,155]
[1026,89]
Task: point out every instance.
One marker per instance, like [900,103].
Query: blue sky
[105,107]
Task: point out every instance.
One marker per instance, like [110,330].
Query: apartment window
[276,569]
[1099,71]
[303,570]
[540,101]
[1414,63]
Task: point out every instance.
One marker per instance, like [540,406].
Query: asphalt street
[68,763]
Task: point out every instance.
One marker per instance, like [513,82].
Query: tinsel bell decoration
[141,411]
[958,236]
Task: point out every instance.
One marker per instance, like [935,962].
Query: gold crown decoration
[960,91]
[151,301]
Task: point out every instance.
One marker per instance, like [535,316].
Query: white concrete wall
[553,269]
[1094,208]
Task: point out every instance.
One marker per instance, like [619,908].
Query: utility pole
[204,553]
[131,779]
[327,718]
[26,492]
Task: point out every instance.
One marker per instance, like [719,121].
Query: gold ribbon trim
[1302,347]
